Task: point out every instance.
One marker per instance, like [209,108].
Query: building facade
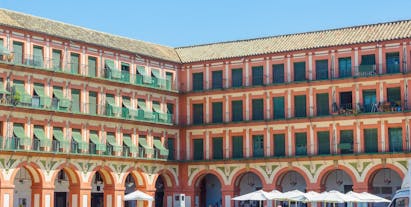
[87,117]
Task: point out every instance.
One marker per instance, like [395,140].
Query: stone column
[6,194]
[42,195]
[227,193]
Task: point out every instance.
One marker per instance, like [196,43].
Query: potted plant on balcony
[16,98]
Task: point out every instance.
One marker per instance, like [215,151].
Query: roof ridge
[298,33]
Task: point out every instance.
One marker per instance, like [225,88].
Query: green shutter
[344,65]
[237,146]
[197,113]
[299,71]
[394,96]
[279,111]
[129,143]
[18,131]
[64,103]
[323,107]
[218,148]
[76,135]
[2,88]
[157,144]
[75,99]
[142,141]
[170,146]
[278,73]
[237,110]
[96,140]
[395,139]
[301,143]
[38,56]
[258,146]
[217,79]
[56,58]
[346,142]
[111,140]
[257,75]
[279,144]
[18,52]
[170,108]
[40,135]
[45,101]
[198,151]
[169,80]
[371,140]
[321,69]
[74,63]
[300,106]
[92,98]
[258,109]
[19,88]
[217,112]
[92,65]
[323,140]
[368,59]
[369,100]
[237,77]
[197,81]
[392,62]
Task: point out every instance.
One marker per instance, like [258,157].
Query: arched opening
[61,189]
[292,180]
[97,190]
[27,182]
[130,186]
[208,191]
[385,182]
[247,183]
[159,194]
[338,180]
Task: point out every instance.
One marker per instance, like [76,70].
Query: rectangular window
[75,100]
[218,148]
[323,140]
[217,79]
[321,69]
[170,108]
[197,113]
[170,147]
[258,109]
[392,62]
[346,142]
[368,59]
[395,139]
[370,140]
[92,102]
[299,71]
[18,52]
[369,98]
[198,151]
[323,107]
[258,75]
[38,56]
[344,67]
[74,63]
[300,106]
[279,112]
[346,101]
[279,144]
[258,146]
[367,66]
[217,112]
[92,66]
[169,80]
[301,143]
[237,146]
[237,77]
[197,81]
[237,110]
[278,73]
[394,96]
[56,59]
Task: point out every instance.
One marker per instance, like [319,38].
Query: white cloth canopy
[333,197]
[294,195]
[367,197]
[259,195]
[274,195]
[138,196]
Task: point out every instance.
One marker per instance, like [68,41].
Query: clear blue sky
[189,22]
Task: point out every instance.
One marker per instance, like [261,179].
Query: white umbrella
[333,197]
[308,196]
[259,195]
[274,195]
[294,195]
[138,196]
[368,197]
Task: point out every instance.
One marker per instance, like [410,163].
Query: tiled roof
[293,42]
[75,33]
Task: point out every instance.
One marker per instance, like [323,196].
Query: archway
[292,180]
[97,190]
[27,187]
[61,189]
[208,191]
[130,186]
[338,180]
[384,182]
[159,194]
[247,183]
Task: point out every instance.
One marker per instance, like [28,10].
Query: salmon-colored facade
[87,117]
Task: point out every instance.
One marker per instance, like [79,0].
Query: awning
[156,73]
[111,102]
[127,103]
[111,139]
[59,136]
[127,141]
[99,146]
[142,104]
[24,96]
[143,143]
[138,196]
[77,137]
[157,144]
[156,107]
[39,133]
[4,51]
[63,102]
[44,100]
[18,131]
[141,70]
[109,63]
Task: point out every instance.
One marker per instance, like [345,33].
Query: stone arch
[374,170]
[235,178]
[322,177]
[282,172]
[197,178]
[33,169]
[169,178]
[137,176]
[71,171]
[107,173]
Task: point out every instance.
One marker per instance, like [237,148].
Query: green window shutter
[394,96]
[323,140]
[109,64]
[18,131]
[346,142]
[237,146]
[237,110]
[299,71]
[156,107]
[218,148]
[198,151]
[323,107]
[344,65]
[279,111]
[279,144]
[45,101]
[300,106]
[197,81]
[217,79]
[18,52]
[159,146]
[278,73]
[237,77]
[395,139]
[369,100]
[74,63]
[75,100]
[169,80]
[368,59]
[92,66]
[129,143]
[301,143]
[38,57]
[258,109]
[56,58]
[217,112]
[371,140]
[92,102]
[2,88]
[170,146]
[257,75]
[41,136]
[258,146]
[170,108]
[392,62]
[321,69]
[197,113]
